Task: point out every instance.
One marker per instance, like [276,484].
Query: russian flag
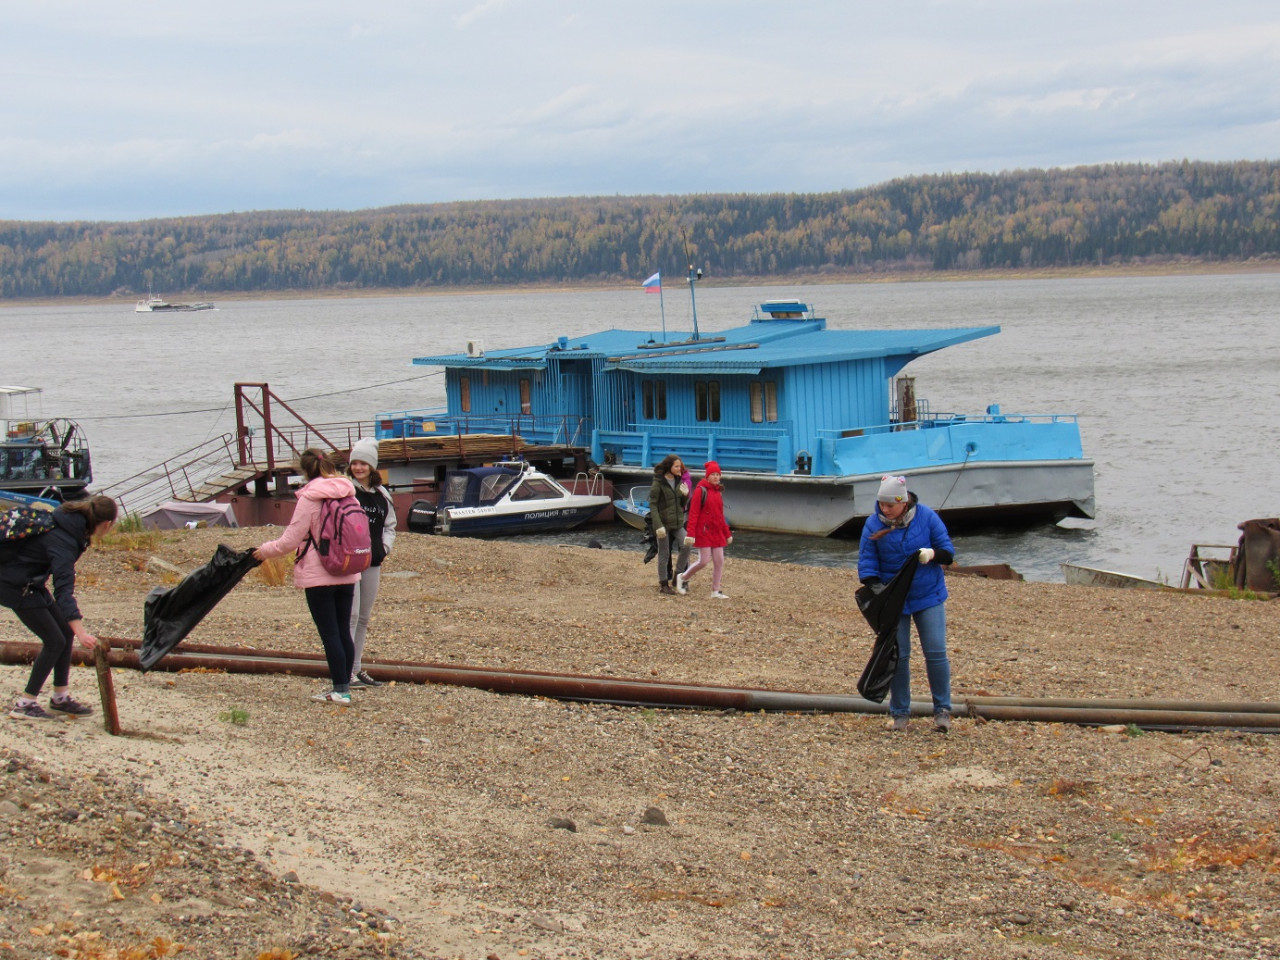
[653,284]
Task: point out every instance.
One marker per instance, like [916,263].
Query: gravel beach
[238,819]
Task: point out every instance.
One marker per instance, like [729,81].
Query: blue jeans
[931,625]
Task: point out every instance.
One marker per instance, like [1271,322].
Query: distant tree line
[1020,219]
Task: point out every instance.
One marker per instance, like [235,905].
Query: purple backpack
[343,541]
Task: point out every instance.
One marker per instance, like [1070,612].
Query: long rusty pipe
[1217,706]
[1159,713]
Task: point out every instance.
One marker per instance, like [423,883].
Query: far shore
[1087,271]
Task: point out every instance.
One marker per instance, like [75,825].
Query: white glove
[661,533]
[926,554]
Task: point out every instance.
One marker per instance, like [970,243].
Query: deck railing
[768,450]
[948,438]
[175,477]
[557,430]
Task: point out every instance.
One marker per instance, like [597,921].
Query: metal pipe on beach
[1172,714]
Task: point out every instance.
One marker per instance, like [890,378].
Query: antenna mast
[694,277]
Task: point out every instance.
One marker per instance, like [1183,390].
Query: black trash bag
[883,611]
[170,614]
[650,540]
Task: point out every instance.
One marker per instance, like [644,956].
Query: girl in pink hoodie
[329,597]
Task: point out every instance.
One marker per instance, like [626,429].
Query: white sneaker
[332,696]
[681,586]
[717,595]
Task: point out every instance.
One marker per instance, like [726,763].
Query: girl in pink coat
[707,530]
[329,597]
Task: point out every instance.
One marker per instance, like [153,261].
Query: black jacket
[24,576]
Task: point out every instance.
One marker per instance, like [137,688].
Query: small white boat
[504,499]
[1079,576]
[633,509]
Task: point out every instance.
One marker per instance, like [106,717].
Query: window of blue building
[764,401]
[654,399]
[706,400]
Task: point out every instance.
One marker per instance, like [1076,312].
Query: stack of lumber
[475,447]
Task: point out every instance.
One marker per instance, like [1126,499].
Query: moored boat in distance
[47,458]
[154,304]
[803,420]
[501,500]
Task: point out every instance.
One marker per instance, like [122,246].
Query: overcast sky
[134,109]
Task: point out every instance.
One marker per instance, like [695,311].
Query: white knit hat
[892,490]
[366,451]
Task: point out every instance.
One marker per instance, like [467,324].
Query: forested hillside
[1026,218]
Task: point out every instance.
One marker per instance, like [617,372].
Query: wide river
[1172,377]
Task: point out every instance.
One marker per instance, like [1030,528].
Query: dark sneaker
[942,721]
[362,679]
[666,590]
[899,724]
[29,711]
[69,706]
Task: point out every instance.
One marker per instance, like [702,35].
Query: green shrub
[237,715]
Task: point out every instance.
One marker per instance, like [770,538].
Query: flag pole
[663,307]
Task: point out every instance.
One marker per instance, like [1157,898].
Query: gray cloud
[138,110]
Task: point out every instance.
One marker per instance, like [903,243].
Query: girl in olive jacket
[668,502]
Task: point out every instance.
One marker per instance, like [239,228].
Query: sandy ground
[237,818]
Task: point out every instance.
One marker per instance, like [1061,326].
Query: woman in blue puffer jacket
[899,527]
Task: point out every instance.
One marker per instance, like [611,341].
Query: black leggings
[55,635]
[331,610]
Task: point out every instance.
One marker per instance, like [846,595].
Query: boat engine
[422,517]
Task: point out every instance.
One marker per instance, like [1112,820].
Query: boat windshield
[535,488]
[22,462]
[493,486]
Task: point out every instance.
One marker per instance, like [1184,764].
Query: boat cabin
[484,486]
[775,395]
[46,458]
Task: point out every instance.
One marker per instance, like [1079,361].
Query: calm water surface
[1174,379]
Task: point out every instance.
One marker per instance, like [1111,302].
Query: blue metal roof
[757,346]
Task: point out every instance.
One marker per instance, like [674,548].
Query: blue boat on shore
[803,420]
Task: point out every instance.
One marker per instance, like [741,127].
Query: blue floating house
[804,421]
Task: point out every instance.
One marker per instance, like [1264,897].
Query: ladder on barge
[259,459]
